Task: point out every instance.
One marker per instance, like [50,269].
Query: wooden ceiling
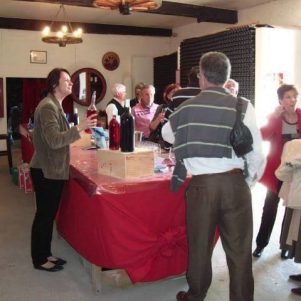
[35,14]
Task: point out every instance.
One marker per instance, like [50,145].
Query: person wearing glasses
[144,111]
[218,193]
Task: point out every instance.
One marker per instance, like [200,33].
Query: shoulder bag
[240,136]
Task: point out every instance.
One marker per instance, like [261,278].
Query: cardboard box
[134,165]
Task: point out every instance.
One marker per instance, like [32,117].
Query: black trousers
[268,219]
[48,195]
[223,200]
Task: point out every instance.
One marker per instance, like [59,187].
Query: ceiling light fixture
[66,35]
[126,6]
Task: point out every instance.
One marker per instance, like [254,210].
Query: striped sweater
[202,127]
[178,98]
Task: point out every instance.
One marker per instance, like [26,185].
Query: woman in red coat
[283,125]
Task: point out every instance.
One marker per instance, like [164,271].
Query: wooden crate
[134,165]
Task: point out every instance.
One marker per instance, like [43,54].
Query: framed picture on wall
[38,57]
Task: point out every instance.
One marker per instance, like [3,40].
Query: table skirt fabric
[111,231]
[138,226]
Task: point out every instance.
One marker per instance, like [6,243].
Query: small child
[102,119]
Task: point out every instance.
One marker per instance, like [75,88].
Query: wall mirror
[85,82]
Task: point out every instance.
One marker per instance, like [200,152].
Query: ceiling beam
[201,13]
[38,25]
[86,3]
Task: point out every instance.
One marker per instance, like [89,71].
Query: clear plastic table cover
[83,168]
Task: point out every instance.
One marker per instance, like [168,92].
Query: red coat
[273,133]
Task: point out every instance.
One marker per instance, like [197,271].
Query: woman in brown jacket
[50,164]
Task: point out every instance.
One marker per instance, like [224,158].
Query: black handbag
[240,136]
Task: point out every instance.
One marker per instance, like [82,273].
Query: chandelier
[126,6]
[66,35]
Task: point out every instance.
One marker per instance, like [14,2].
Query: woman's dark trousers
[267,219]
[48,195]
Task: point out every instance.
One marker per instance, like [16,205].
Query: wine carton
[139,163]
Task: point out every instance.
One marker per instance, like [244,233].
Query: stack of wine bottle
[92,109]
[121,136]
[239,44]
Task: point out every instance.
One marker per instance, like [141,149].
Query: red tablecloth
[138,225]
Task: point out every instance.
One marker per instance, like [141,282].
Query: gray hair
[216,67]
[118,88]
[148,87]
[139,86]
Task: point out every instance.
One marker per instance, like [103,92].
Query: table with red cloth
[135,225]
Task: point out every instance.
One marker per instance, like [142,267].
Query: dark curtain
[164,74]
[68,107]
[32,93]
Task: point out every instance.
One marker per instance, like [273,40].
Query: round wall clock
[110,60]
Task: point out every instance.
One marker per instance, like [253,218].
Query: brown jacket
[51,139]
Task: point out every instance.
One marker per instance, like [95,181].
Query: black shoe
[295,277]
[55,268]
[257,252]
[296,291]
[182,296]
[58,261]
[284,254]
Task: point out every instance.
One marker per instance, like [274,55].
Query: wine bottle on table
[92,109]
[127,131]
[114,134]
[75,117]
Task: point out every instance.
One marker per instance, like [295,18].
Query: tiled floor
[19,281]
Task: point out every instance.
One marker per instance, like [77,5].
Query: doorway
[23,95]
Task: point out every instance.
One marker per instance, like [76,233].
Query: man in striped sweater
[218,194]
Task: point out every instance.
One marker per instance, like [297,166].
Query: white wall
[277,50]
[282,13]
[15,46]
[286,13]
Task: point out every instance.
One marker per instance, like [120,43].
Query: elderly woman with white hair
[116,105]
